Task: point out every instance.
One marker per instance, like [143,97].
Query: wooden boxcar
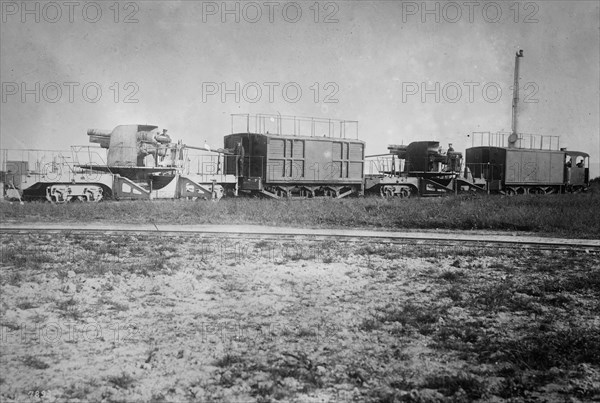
[285,165]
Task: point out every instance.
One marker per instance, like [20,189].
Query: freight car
[520,164]
[286,156]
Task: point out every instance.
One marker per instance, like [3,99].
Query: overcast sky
[369,60]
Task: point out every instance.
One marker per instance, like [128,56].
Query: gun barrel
[99,132]
[218,150]
[100,136]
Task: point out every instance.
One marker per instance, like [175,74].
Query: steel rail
[277,234]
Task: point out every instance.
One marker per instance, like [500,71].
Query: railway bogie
[64,193]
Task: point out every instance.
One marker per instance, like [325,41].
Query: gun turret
[128,145]
[426,156]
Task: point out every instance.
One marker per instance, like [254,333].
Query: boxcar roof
[523,149]
[292,137]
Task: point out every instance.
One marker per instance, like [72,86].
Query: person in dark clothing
[239,152]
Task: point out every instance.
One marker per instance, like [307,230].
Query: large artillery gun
[146,163]
[139,162]
[419,168]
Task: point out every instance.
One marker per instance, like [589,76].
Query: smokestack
[516,93]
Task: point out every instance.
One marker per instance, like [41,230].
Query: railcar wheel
[536,191]
[217,193]
[307,193]
[404,193]
[60,198]
[282,193]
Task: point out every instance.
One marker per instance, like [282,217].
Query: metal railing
[28,166]
[524,140]
[294,126]
[32,165]
[380,164]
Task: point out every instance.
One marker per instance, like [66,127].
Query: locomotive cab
[577,172]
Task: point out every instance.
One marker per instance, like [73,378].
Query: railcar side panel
[534,167]
[285,159]
[289,160]
[486,162]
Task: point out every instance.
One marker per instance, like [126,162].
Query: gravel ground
[186,318]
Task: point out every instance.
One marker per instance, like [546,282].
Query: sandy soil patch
[146,318]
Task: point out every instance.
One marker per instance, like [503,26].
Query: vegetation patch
[123,380]
[568,215]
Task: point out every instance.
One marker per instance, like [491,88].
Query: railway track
[281,234]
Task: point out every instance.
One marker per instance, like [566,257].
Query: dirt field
[147,318]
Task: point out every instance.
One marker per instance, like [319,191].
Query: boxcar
[519,171]
[284,165]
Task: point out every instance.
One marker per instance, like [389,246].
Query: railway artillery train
[326,159]
[285,156]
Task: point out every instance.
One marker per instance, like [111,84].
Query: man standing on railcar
[239,152]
